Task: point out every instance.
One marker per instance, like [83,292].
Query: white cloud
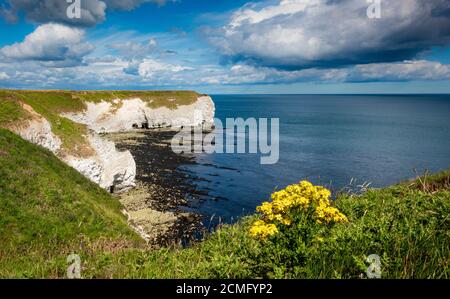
[110,73]
[401,71]
[3,76]
[295,34]
[251,15]
[418,70]
[53,44]
[149,68]
[136,49]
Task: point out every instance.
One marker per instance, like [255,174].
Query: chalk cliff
[112,169]
[124,115]
[37,130]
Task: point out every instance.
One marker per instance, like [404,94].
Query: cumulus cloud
[44,11]
[136,49]
[52,44]
[3,76]
[149,68]
[400,71]
[297,34]
[246,74]
[417,70]
[111,73]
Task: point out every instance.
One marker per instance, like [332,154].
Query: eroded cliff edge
[69,124]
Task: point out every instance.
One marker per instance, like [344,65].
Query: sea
[346,142]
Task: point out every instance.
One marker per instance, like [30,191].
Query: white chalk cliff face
[38,130]
[112,169]
[103,117]
[109,168]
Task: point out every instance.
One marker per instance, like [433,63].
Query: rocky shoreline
[158,207]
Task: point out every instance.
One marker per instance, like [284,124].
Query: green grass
[48,211]
[154,99]
[10,110]
[50,105]
[407,227]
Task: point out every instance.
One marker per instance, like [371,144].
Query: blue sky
[224,46]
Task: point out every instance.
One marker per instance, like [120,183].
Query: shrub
[293,225]
[303,234]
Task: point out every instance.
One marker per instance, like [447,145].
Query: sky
[227,46]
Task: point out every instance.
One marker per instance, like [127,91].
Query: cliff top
[68,101]
[50,104]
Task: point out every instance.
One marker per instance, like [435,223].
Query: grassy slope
[406,225]
[50,104]
[48,210]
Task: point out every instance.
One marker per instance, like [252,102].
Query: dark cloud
[441,9]
[170,52]
[44,11]
[8,15]
[293,34]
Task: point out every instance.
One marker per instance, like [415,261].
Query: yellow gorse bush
[262,229]
[304,197]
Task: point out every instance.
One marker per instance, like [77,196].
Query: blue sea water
[328,139]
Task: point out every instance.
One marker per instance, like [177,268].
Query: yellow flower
[265,208]
[303,197]
[262,230]
[328,214]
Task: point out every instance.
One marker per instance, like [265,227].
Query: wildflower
[262,230]
[304,197]
[265,208]
[327,214]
